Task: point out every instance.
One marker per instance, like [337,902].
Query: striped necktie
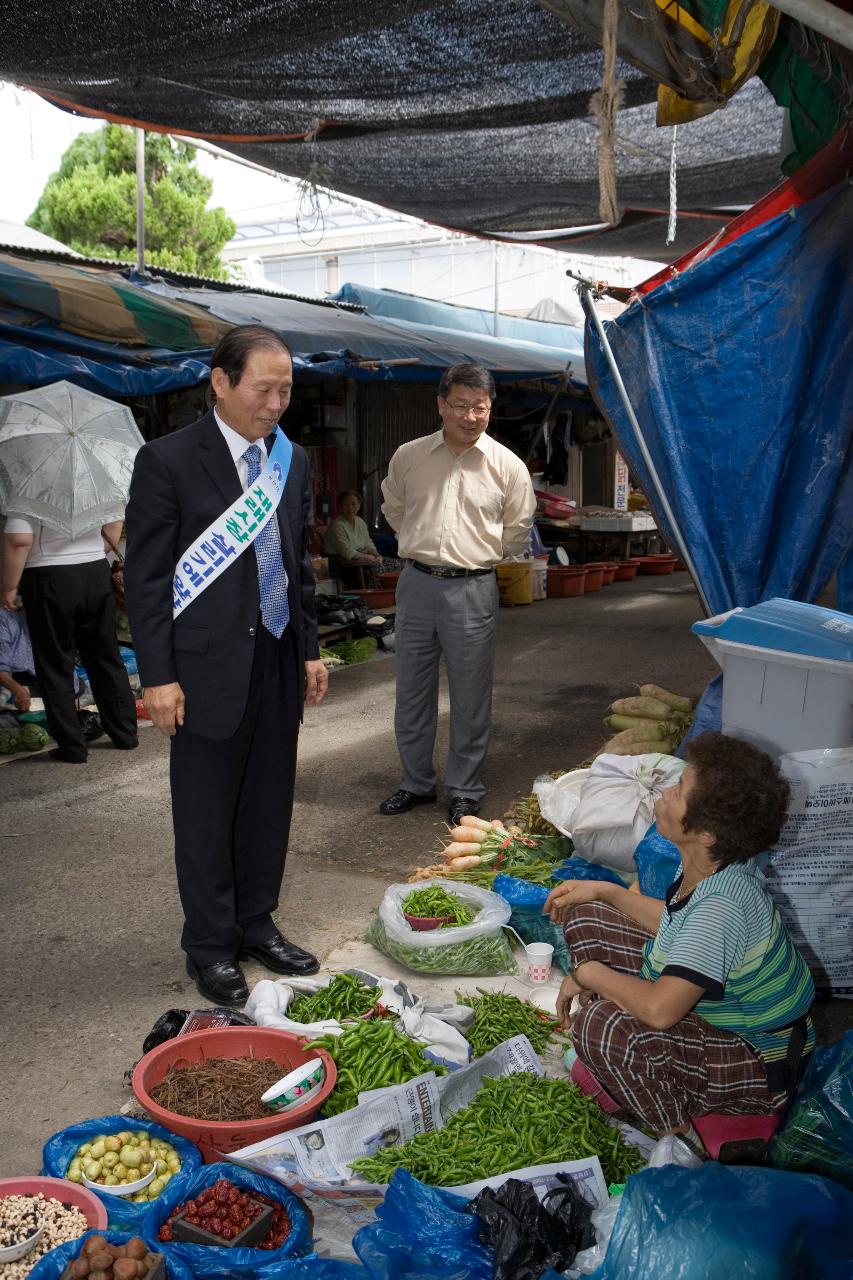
[272,578]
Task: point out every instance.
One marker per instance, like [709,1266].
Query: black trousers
[231,808]
[71,608]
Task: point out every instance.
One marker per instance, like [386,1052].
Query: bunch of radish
[475,842]
[656,721]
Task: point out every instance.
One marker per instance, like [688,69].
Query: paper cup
[539,958]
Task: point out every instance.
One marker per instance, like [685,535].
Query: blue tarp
[740,372]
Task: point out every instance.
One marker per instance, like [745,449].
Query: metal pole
[587,287]
[495,322]
[828,19]
[140,201]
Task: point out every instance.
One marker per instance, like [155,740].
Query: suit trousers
[231,808]
[71,608]
[455,618]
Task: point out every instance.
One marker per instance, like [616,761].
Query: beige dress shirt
[467,511]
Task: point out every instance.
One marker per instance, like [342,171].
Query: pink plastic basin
[59,1189]
[217,1137]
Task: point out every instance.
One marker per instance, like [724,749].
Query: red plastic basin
[424,924]
[389,580]
[59,1189]
[656,565]
[376,597]
[217,1137]
[610,567]
[626,571]
[595,575]
[566,581]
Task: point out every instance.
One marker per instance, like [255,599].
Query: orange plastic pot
[657,565]
[566,581]
[216,1138]
[610,567]
[626,571]
[376,597]
[389,580]
[594,576]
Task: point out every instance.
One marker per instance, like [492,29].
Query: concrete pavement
[91,919]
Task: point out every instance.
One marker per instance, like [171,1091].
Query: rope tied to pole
[604,105]
[673,193]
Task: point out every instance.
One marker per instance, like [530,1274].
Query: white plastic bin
[787,674]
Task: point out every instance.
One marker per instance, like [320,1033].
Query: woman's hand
[568,990]
[572,893]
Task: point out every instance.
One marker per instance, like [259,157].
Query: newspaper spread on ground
[313,1161]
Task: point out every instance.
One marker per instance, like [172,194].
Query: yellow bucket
[515,582]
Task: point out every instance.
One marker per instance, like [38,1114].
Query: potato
[101,1261]
[95,1244]
[136,1248]
[124,1269]
[80,1268]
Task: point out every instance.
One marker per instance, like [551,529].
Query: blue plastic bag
[124,1215]
[720,1221]
[817,1136]
[52,1265]
[422,1233]
[657,862]
[207,1261]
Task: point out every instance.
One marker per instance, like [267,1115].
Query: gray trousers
[456,618]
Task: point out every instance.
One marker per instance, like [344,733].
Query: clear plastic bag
[471,950]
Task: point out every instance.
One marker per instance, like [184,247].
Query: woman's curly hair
[738,796]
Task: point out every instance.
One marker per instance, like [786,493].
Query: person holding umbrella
[65,461]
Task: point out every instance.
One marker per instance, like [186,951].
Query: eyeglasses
[478,410]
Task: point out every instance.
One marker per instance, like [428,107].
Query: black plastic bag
[529,1236]
[90,723]
[169,1024]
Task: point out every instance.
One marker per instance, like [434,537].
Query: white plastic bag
[476,949]
[616,805]
[559,798]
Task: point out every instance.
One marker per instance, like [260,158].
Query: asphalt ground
[89,954]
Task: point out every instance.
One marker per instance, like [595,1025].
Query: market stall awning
[472,114]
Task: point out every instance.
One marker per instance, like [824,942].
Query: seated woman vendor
[348,537]
[700,1003]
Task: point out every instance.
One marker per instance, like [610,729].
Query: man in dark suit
[226,677]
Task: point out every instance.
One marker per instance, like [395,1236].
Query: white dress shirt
[237,446]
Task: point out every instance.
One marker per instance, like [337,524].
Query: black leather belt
[439,571]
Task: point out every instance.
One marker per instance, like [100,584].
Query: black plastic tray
[189,1233]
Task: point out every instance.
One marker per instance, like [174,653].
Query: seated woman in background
[348,537]
[700,1003]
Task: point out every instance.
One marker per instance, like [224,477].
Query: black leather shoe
[459,806]
[282,957]
[402,801]
[223,983]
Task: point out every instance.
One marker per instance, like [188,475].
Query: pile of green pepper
[371,1055]
[345,998]
[514,1122]
[436,903]
[499,1016]
[486,956]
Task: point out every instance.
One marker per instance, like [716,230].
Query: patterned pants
[661,1077]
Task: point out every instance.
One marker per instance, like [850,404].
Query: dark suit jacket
[180,484]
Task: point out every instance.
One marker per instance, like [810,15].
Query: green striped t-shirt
[728,937]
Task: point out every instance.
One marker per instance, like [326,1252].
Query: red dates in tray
[225,1215]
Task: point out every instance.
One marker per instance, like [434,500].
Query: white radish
[465,863]
[457,850]
[469,835]
[471,820]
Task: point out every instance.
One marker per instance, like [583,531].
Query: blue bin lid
[789,626]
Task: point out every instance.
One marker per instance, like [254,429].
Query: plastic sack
[617,805]
[209,1262]
[559,798]
[720,1221]
[478,949]
[124,1215]
[603,1221]
[423,1233]
[52,1265]
[528,1235]
[657,860]
[817,1136]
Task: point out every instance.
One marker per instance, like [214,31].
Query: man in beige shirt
[459,502]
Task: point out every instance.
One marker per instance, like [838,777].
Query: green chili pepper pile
[485,956]
[344,998]
[370,1055]
[514,1122]
[499,1016]
[435,902]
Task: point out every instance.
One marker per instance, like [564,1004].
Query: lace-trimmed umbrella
[66,457]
